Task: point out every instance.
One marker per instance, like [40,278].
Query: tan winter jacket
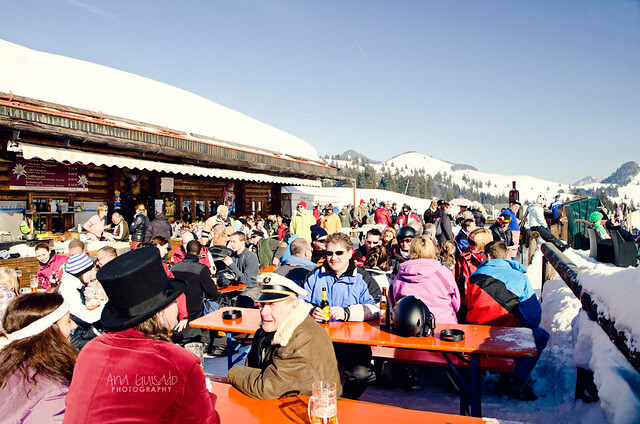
[300,354]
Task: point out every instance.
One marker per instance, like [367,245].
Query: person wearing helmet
[501,231]
[400,252]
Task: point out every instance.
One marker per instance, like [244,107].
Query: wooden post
[354,195]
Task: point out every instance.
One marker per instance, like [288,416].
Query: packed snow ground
[555,374]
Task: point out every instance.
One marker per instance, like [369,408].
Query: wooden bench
[436,359]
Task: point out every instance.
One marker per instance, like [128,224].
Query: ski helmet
[411,317]
[406,232]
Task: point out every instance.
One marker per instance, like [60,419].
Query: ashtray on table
[232,314]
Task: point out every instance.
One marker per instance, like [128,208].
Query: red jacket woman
[154,380]
[132,372]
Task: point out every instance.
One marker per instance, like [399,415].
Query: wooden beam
[135,146]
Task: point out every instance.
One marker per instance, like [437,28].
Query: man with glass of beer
[290,351]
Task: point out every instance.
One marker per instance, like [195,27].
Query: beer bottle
[324,305]
[384,310]
[514,195]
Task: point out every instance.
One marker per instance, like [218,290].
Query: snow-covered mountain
[485,182]
[587,180]
[499,184]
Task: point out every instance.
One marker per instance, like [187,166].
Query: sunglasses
[406,240]
[329,254]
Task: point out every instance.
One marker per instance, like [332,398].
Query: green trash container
[579,209]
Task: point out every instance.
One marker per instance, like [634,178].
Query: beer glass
[323,403]
[33,283]
[197,349]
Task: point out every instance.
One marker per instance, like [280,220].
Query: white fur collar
[295,318]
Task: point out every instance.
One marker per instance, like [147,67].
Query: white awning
[30,151]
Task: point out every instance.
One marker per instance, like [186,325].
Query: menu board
[48,175]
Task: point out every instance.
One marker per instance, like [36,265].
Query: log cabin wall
[260,198]
[194,191]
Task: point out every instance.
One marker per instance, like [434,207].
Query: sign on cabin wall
[48,175]
[166,185]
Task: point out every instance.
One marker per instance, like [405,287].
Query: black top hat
[220,252]
[137,287]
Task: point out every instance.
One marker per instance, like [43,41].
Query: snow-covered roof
[84,85]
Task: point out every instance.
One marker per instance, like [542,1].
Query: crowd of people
[127,315]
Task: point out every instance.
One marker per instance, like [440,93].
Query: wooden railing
[568,271]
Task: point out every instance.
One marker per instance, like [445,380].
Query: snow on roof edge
[86,85]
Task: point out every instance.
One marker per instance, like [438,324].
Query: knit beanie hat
[303,203]
[595,217]
[317,232]
[78,264]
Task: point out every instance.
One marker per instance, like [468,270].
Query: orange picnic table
[479,340]
[230,289]
[234,406]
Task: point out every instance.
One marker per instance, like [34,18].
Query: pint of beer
[323,403]
[33,283]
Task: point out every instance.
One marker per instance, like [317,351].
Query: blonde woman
[9,288]
[424,277]
[95,225]
[388,237]
[139,225]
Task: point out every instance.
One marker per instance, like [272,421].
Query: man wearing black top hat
[132,372]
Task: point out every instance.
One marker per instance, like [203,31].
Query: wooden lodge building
[60,159]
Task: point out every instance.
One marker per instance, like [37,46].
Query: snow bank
[340,196]
[617,381]
[616,291]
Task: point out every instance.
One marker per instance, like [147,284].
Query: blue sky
[543,88]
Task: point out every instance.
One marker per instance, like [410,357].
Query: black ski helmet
[411,317]
[406,232]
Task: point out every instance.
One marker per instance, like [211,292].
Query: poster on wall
[48,175]
[166,185]
[230,197]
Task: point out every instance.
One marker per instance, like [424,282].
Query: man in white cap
[290,351]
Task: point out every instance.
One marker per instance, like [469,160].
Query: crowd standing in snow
[462,271]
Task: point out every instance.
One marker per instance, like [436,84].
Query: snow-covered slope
[85,85]
[587,180]
[496,184]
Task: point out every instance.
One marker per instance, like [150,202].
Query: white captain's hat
[275,287]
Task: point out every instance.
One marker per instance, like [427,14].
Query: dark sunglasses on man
[329,254]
